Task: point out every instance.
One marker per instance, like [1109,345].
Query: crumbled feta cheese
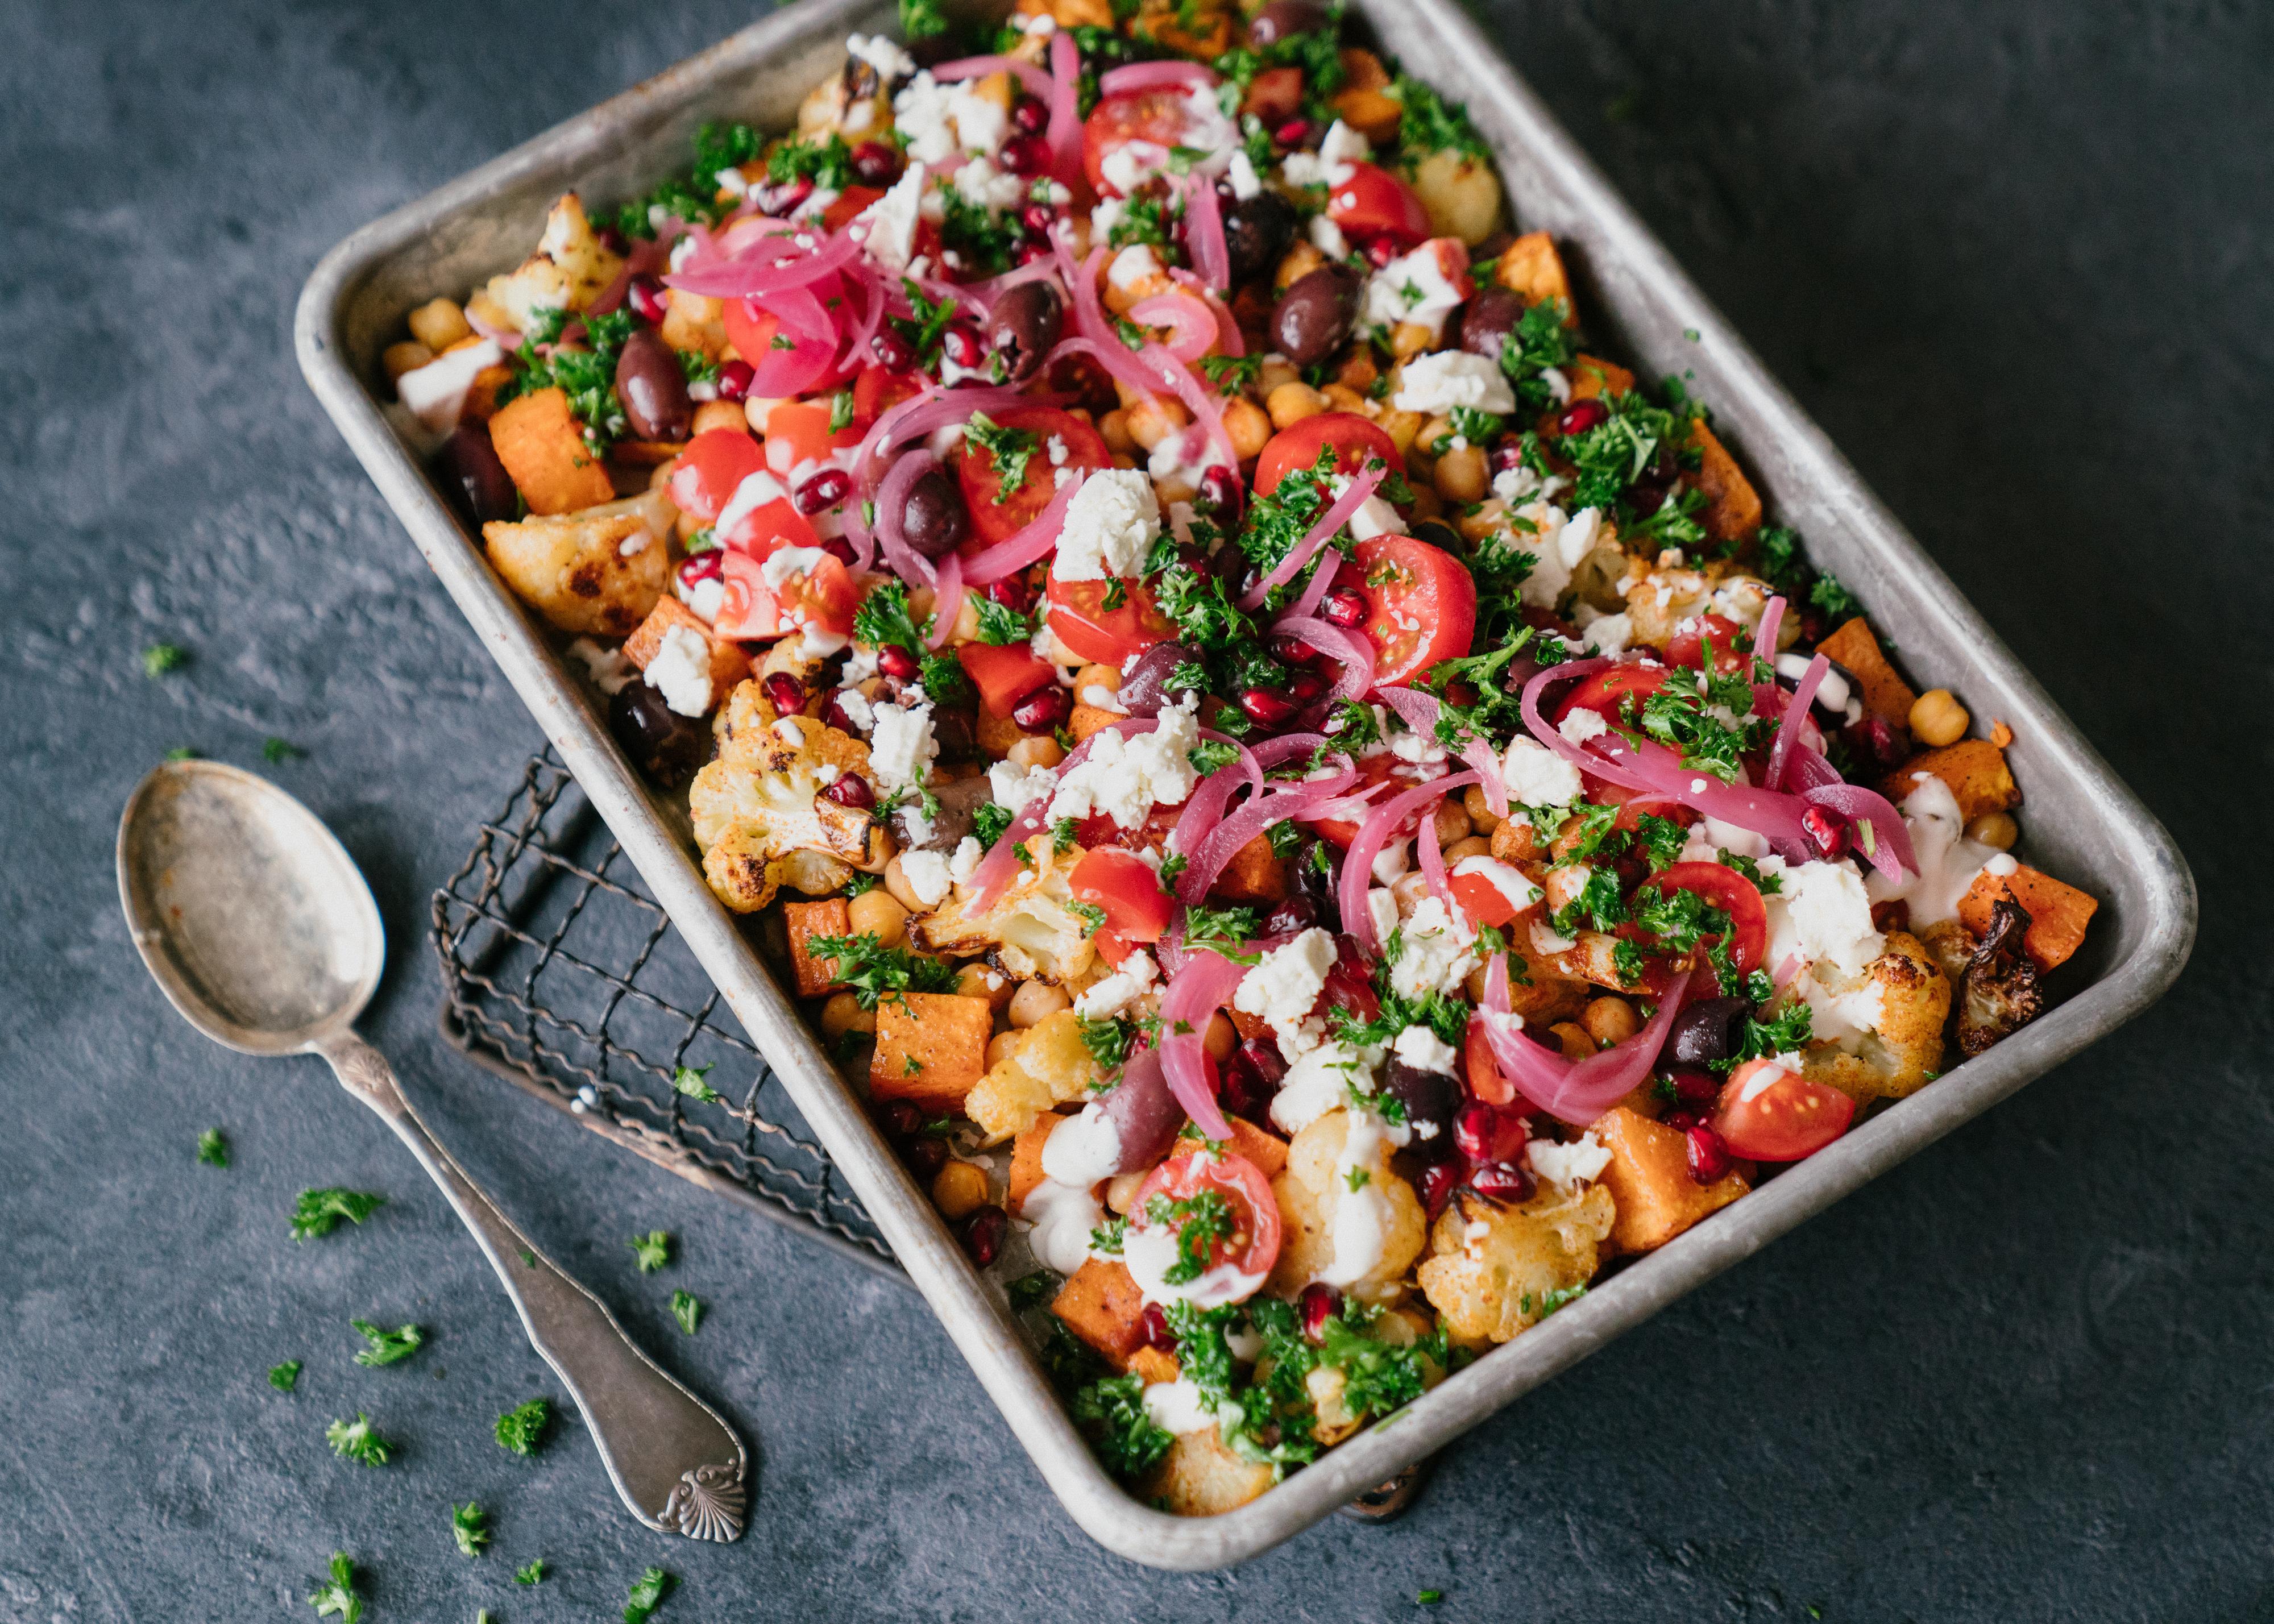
[610,670]
[1110,525]
[1127,777]
[1381,913]
[1133,265]
[1328,238]
[968,855]
[785,562]
[1015,785]
[941,121]
[890,61]
[1548,942]
[1537,777]
[1608,634]
[1435,384]
[1105,217]
[1338,149]
[706,597]
[1582,725]
[1131,164]
[857,709]
[1823,913]
[1282,987]
[435,394]
[1425,1051]
[1433,952]
[1241,174]
[1582,1162]
[926,875]
[982,182]
[1118,991]
[903,750]
[1423,288]
[681,671]
[1558,543]
[1317,1081]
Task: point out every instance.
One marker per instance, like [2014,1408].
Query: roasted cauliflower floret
[1362,1239]
[855,103]
[1030,924]
[570,268]
[1492,1270]
[573,568]
[1050,1066]
[1659,601]
[759,814]
[1901,1047]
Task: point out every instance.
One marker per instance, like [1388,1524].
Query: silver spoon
[260,930]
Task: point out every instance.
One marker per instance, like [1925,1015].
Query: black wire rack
[561,974]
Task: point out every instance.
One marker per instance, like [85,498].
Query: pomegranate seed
[1506,457]
[962,346]
[702,566]
[833,713]
[1043,711]
[1380,252]
[1875,738]
[1222,494]
[902,1119]
[924,1156]
[1037,218]
[894,354]
[1693,1088]
[1502,1183]
[1318,1304]
[851,790]
[1030,252]
[876,164]
[1294,132]
[735,379]
[781,199]
[784,692]
[1708,1153]
[1024,155]
[1293,652]
[1815,626]
[1307,687]
[826,489]
[984,1232]
[647,297]
[897,662]
[1012,592]
[612,240]
[1824,832]
[1155,1324]
[1437,1182]
[1267,709]
[1681,1119]
[1346,607]
[837,548]
[1581,416]
[1029,115]
[1485,1134]
[1298,913]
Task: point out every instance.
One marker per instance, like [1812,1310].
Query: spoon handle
[676,1465]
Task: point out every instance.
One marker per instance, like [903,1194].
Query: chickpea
[1107,677]
[1121,1190]
[438,323]
[1478,525]
[1002,1045]
[1428,504]
[1342,397]
[1437,428]
[1273,372]
[1360,371]
[880,912]
[1151,422]
[1463,474]
[720,415]
[1122,459]
[1611,1020]
[1466,847]
[1301,260]
[960,1189]
[757,411]
[1037,750]
[1577,1044]
[1248,428]
[1410,338]
[1937,720]
[1402,427]
[843,1013]
[1113,428]
[1473,801]
[1996,829]
[976,980]
[1036,1002]
[1291,403]
[1452,822]
[407,356]
[1221,1038]
[896,882]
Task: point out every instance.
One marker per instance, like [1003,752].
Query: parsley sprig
[871,971]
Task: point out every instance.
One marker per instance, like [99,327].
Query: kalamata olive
[652,386]
[1023,327]
[1146,688]
[1250,1077]
[1257,230]
[1431,1099]
[1312,318]
[1485,1133]
[1295,912]
[1708,1032]
[933,518]
[1707,1154]
[1318,1304]
[1503,1183]
[1043,711]
[1487,320]
[1283,19]
[1437,533]
[1319,881]
[784,692]
[663,744]
[470,462]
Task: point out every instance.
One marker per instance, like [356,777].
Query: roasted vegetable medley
[1313,802]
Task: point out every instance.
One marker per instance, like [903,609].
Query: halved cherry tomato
[1137,910]
[1159,119]
[1082,621]
[714,463]
[1483,901]
[1371,769]
[974,469]
[798,432]
[1373,202]
[1688,646]
[1487,1081]
[1357,441]
[1724,888]
[752,329]
[819,597]
[1003,676]
[1768,1114]
[1421,606]
[1099,829]
[849,203]
[1606,691]
[877,391]
[767,528]
[1252,1246]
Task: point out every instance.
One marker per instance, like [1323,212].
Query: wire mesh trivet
[561,973]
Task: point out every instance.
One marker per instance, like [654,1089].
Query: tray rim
[974,1315]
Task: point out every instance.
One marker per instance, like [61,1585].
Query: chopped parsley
[1108,1041]
[1597,904]
[533,1574]
[160,658]
[693,196]
[286,1375]
[1678,918]
[1224,931]
[1787,1030]
[871,971]
[1495,714]
[885,618]
[647,1593]
[1112,1412]
[1212,755]
[1090,915]
[688,1080]
[1064,835]
[922,19]
[1200,1221]
[521,1429]
[945,682]
[1538,342]
[984,240]
[1227,374]
[687,1308]
[927,326]
[1107,1237]
[386,1347]
[212,1150]
[1141,221]
[826,160]
[319,1212]
[1767,884]
[987,824]
[1431,125]
[585,373]
[470,1527]
[651,1251]
[356,1441]
[1707,718]
[339,1598]
[1659,840]
[1033,1291]
[1001,625]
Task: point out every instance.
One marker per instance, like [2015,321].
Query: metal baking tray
[2083,824]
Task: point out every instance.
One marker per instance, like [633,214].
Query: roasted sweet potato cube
[931,1047]
[1087,719]
[1980,781]
[1266,1150]
[829,917]
[1732,512]
[1591,376]
[1201,1478]
[1364,103]
[2057,913]
[730,664]
[1027,1158]
[1886,695]
[1154,1365]
[1102,1305]
[995,733]
[1532,269]
[1255,873]
[1649,1178]
[538,439]
[481,395]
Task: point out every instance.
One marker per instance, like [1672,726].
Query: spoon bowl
[252,917]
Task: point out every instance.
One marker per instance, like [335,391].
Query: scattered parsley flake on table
[687,1308]
[647,1594]
[339,1596]
[319,1212]
[212,1150]
[160,658]
[285,1377]
[468,1526]
[386,1347]
[653,1250]
[520,1430]
[358,1442]
[689,1081]
[278,751]
[1430,1598]
[533,1574]
[182,752]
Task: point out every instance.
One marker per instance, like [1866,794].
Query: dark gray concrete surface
[2016,259]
